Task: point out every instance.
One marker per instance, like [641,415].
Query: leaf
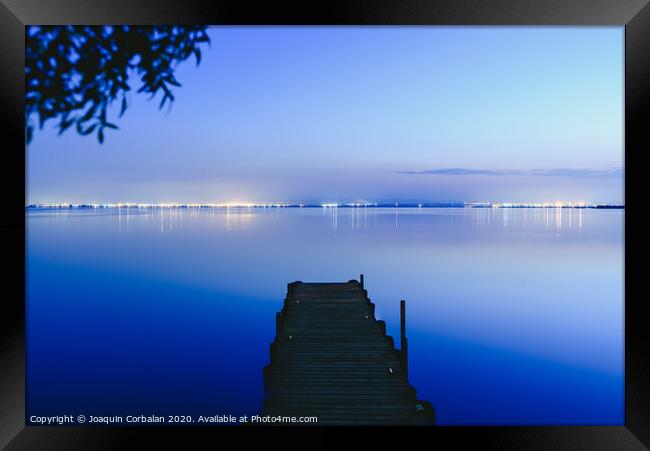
[162,102]
[87,131]
[167,95]
[172,81]
[66,120]
[100,135]
[65,124]
[123,108]
[89,113]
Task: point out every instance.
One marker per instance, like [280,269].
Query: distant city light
[227,205]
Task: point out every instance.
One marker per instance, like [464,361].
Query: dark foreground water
[514,316]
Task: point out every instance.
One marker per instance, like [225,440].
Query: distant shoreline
[325,206]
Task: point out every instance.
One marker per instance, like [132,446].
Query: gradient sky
[338,114]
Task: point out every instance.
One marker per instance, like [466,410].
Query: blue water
[514,316]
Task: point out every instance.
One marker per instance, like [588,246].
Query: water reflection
[244,217]
[333,212]
[508,307]
[552,218]
[239,218]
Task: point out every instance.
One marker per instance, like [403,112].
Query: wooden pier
[333,360]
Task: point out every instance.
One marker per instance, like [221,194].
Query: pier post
[361,280]
[404,342]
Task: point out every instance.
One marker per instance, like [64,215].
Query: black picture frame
[634,15]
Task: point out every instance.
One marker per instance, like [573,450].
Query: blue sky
[325,114]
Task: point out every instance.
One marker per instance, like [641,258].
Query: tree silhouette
[74,73]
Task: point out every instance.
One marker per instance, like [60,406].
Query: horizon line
[440,204]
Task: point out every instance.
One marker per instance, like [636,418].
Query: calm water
[513,316]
